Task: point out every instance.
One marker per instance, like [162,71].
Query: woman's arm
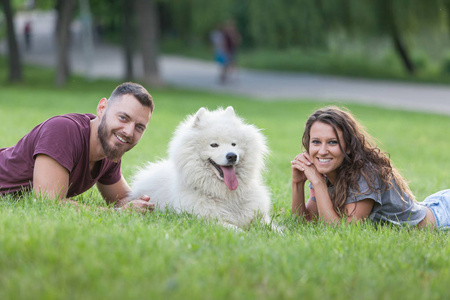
[299,207]
[324,203]
[304,169]
[356,211]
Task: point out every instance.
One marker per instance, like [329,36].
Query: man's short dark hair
[135,89]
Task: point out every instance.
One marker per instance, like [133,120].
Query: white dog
[213,170]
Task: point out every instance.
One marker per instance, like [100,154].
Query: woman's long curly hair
[364,158]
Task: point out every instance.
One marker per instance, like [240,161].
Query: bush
[446,64]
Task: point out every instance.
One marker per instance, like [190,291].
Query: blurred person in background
[27,31]
[232,41]
[218,41]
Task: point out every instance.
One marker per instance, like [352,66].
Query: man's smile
[122,140]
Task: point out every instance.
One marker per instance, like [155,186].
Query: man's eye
[214,145]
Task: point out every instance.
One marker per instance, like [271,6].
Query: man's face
[122,126]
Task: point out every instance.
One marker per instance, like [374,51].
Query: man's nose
[129,129]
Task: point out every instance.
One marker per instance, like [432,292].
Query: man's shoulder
[67,123]
[64,127]
[79,119]
[65,138]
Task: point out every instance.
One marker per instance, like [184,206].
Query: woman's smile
[325,150]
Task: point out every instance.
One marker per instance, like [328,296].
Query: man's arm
[114,193]
[117,194]
[50,178]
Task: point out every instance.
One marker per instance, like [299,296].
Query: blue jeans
[439,204]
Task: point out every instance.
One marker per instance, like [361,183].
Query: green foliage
[109,18]
[312,26]
[304,23]
[51,251]
[446,65]
[281,24]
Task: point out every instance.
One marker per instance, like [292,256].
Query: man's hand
[142,204]
[117,193]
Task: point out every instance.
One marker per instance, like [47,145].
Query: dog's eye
[233,144]
[214,145]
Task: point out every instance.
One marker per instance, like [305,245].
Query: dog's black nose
[231,157]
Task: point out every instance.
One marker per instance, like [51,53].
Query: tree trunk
[15,66]
[66,9]
[394,32]
[148,35]
[400,47]
[127,6]
[447,9]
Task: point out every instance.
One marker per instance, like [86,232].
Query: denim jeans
[439,204]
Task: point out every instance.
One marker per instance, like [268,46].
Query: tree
[391,27]
[127,37]
[65,10]
[136,24]
[148,28]
[15,66]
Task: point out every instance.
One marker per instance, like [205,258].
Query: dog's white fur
[188,182]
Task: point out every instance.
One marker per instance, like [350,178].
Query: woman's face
[324,149]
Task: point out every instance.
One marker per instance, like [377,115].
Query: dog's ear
[199,115]
[230,111]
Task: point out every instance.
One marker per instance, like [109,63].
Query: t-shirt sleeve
[353,195]
[60,139]
[364,192]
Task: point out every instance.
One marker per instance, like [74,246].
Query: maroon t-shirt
[65,139]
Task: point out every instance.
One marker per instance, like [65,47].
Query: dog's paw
[278,229]
[232,227]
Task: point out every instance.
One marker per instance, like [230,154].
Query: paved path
[107,62]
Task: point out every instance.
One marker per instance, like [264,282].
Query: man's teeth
[120,139]
[324,160]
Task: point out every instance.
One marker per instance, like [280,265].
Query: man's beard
[112,153]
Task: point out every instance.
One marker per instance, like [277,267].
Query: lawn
[49,251]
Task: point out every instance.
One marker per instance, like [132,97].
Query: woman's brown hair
[361,157]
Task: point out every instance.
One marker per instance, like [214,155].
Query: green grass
[58,252]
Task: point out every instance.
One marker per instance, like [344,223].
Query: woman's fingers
[304,157]
[307,157]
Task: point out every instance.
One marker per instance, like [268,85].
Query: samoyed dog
[213,170]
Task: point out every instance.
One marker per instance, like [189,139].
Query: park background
[49,251]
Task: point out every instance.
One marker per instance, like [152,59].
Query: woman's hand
[303,169]
[298,170]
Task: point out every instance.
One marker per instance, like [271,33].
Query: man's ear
[101,107]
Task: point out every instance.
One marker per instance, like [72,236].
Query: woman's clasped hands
[303,169]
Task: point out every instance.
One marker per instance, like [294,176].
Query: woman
[352,179]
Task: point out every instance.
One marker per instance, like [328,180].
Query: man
[66,155]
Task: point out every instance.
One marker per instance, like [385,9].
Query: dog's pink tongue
[229,177]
